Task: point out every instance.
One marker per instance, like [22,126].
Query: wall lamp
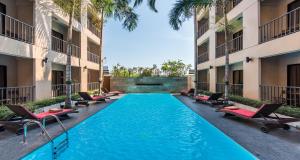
[45,60]
[211,67]
[85,67]
[248,59]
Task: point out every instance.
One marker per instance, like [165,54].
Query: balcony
[59,45]
[203,53]
[234,45]
[288,95]
[203,57]
[203,25]
[234,89]
[93,57]
[60,89]
[284,25]
[93,28]
[16,29]
[230,6]
[17,95]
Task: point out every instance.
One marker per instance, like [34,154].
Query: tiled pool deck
[277,145]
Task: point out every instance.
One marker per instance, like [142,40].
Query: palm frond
[151,4]
[183,10]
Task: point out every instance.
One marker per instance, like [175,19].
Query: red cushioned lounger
[25,114]
[186,92]
[86,98]
[213,99]
[262,115]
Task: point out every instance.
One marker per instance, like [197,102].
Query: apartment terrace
[278,24]
[203,52]
[17,25]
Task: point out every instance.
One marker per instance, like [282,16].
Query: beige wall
[274,69]
[261,69]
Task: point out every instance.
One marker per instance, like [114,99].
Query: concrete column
[251,18]
[83,49]
[252,79]
[212,34]
[41,70]
[212,79]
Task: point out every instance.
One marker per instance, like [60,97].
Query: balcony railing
[93,86]
[17,95]
[234,89]
[93,57]
[203,57]
[203,28]
[60,89]
[234,45]
[60,46]
[93,28]
[281,94]
[203,86]
[230,6]
[16,29]
[282,26]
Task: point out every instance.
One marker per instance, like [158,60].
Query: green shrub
[32,106]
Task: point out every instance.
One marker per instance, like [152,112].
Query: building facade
[264,47]
[33,46]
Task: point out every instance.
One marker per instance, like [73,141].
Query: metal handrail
[16,29]
[44,131]
[281,26]
[234,45]
[92,57]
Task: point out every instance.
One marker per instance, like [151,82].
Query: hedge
[32,106]
[285,110]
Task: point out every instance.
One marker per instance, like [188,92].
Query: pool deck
[11,146]
[277,145]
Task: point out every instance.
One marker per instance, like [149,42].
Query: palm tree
[183,9]
[71,8]
[120,10]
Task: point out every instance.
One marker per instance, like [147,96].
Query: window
[238,77]
[2,18]
[293,74]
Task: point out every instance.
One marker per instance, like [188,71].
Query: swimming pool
[146,127]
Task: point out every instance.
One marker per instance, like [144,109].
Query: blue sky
[153,42]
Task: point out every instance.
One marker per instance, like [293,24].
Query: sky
[152,42]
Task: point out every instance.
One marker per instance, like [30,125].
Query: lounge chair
[86,98]
[212,99]
[22,115]
[115,93]
[262,116]
[186,92]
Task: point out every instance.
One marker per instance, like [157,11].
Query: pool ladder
[56,149]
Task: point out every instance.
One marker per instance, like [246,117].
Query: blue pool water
[146,127]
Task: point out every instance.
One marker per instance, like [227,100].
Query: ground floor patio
[277,145]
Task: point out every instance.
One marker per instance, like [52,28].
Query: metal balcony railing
[92,86]
[230,5]
[60,46]
[93,57]
[282,26]
[203,28]
[60,89]
[17,95]
[234,45]
[203,86]
[288,95]
[203,57]
[234,89]
[93,28]
[16,29]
